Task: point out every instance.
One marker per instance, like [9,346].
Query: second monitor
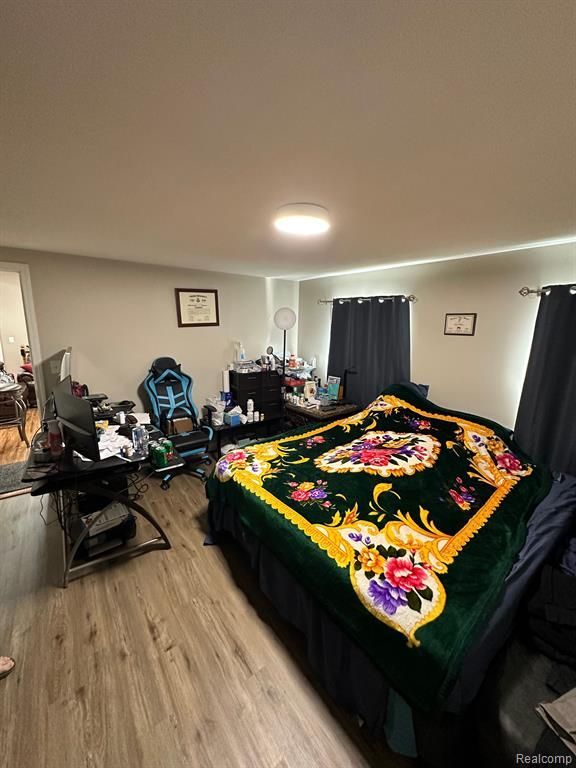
[78,428]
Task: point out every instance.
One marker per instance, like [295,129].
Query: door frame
[31,324]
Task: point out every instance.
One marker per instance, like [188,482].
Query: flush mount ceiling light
[302,219]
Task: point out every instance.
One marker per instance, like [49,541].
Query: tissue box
[233,419]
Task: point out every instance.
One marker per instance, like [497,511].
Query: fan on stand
[284,319]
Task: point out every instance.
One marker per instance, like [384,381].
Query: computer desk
[96,478]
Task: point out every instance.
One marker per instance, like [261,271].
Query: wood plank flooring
[12,448]
[172,660]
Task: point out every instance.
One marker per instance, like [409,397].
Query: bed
[396,539]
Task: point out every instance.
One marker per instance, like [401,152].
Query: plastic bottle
[54,438]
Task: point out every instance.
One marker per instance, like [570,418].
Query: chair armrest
[209,431]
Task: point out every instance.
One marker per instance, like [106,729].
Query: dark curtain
[546,421]
[373,339]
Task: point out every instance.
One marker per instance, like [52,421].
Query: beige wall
[12,321]
[118,316]
[482,374]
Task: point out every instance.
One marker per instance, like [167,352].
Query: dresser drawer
[271,395]
[244,382]
[271,379]
[241,396]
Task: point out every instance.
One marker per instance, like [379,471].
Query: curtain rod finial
[524,291]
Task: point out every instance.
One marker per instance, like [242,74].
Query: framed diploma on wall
[197,307]
[460,325]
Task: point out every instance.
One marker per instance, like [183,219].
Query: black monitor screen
[64,386]
[77,421]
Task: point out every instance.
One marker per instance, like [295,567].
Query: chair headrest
[162,364]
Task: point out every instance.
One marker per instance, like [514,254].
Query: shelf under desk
[102,480]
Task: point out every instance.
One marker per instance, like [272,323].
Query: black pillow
[418,389]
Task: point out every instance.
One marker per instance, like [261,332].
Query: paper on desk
[111,444]
[143,418]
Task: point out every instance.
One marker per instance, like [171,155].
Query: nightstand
[299,415]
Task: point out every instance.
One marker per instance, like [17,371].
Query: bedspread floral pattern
[395,580]
[462,495]
[234,461]
[395,566]
[310,493]
[383,453]
[418,424]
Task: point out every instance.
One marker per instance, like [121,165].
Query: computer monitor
[63,386]
[78,428]
[66,364]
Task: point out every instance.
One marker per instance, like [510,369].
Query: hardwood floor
[159,662]
[12,448]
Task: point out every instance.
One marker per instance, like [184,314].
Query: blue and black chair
[170,394]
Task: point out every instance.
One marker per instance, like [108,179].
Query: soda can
[151,450]
[160,456]
[169,446]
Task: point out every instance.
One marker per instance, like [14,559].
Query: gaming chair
[170,394]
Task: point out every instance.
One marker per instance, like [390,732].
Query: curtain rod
[546,291]
[360,299]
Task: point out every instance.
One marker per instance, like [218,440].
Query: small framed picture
[197,307]
[460,325]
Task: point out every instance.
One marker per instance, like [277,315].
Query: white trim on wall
[31,324]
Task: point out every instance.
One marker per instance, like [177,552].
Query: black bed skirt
[343,669]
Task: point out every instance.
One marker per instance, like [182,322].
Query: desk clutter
[253,396]
[95,501]
[74,429]
[124,440]
[255,390]
[92,457]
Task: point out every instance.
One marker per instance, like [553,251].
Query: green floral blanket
[402,520]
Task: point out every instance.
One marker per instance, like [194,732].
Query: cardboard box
[181,424]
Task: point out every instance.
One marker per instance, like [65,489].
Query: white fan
[285,318]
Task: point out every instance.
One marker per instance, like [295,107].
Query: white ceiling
[169,131]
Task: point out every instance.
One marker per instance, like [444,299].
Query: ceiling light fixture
[302,219]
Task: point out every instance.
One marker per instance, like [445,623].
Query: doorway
[20,395]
